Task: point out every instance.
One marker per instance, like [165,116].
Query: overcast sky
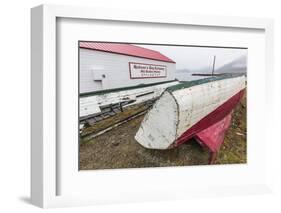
[194,58]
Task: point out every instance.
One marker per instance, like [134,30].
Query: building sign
[139,70]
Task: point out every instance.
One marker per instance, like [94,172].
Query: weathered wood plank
[91,104]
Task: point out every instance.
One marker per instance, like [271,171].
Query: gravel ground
[118,148]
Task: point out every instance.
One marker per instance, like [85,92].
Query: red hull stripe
[212,118]
[213,136]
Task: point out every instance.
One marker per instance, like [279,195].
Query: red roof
[126,49]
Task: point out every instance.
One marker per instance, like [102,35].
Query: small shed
[113,65]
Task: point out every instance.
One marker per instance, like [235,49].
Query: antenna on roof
[214,63]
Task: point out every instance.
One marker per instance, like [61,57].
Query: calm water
[188,77]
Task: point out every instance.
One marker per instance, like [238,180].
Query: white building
[113,65]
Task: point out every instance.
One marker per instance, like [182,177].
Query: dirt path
[118,148]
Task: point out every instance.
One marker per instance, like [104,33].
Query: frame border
[44,82]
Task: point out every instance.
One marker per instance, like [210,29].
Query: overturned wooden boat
[93,103]
[200,109]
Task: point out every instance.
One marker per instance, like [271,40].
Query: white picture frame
[44,155]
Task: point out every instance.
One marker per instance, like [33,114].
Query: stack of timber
[186,109]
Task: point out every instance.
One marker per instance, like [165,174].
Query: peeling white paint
[158,128]
[177,111]
[198,101]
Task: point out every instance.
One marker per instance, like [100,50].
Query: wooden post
[214,62]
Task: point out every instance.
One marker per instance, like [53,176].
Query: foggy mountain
[238,65]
